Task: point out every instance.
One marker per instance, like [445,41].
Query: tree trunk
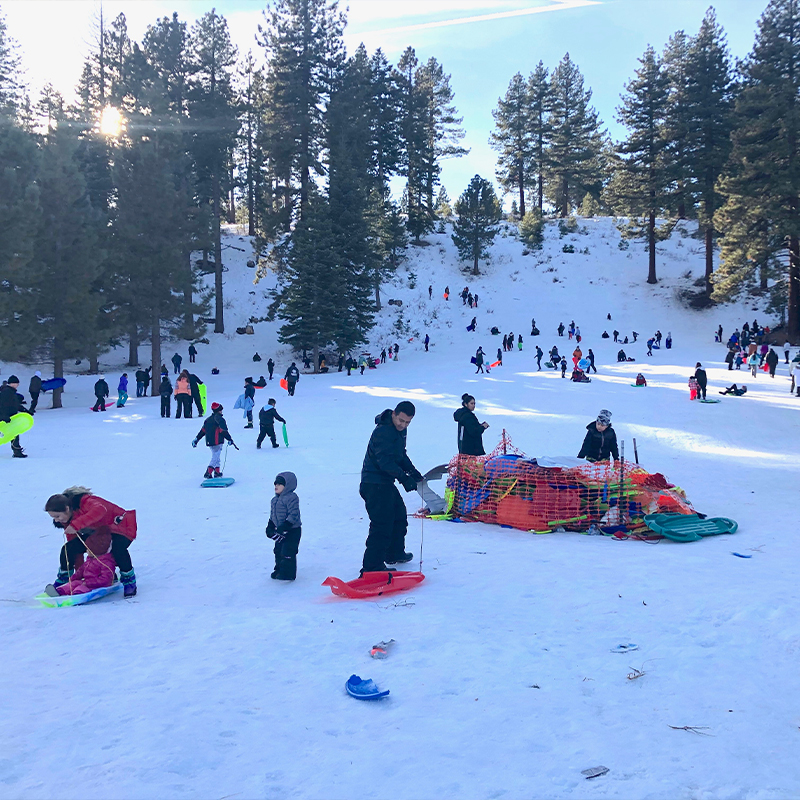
[377,292]
[793,310]
[316,358]
[564,198]
[133,347]
[541,194]
[651,238]
[232,201]
[58,372]
[709,259]
[94,364]
[219,321]
[475,255]
[188,313]
[155,354]
[521,191]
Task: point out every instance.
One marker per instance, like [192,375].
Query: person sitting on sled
[97,571]
[215,429]
[601,439]
[579,376]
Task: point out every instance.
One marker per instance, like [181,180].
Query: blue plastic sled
[217,483]
[53,383]
[78,599]
[364,690]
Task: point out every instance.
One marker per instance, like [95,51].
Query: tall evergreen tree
[761,186]
[640,185]
[675,61]
[708,106]
[477,213]
[512,139]
[576,142]
[12,88]
[539,102]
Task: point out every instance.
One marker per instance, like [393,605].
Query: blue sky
[481,43]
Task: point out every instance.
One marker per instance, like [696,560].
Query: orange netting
[506,488]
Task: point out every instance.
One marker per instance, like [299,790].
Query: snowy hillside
[217,682]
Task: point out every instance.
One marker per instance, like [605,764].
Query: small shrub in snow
[531,229]
[412,280]
[568,248]
[623,244]
[567,226]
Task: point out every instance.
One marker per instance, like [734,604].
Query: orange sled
[374,584]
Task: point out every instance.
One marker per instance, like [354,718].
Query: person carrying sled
[215,430]
[266,423]
[11,403]
[249,392]
[79,513]
[292,376]
[284,526]
[385,462]
[702,380]
[470,431]
[519,341]
[479,360]
[600,442]
[35,388]
[270,367]
[101,391]
[165,391]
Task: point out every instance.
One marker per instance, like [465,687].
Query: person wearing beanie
[165,390]
[215,430]
[35,388]
[470,431]
[702,380]
[12,402]
[292,376]
[249,392]
[284,526]
[122,390]
[601,440]
[266,423]
[100,392]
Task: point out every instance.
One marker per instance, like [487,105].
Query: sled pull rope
[421,539]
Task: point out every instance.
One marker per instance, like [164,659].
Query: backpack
[640,380]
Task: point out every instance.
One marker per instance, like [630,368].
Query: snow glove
[194,442]
[409,483]
[277,534]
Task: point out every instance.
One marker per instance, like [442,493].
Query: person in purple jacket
[122,390]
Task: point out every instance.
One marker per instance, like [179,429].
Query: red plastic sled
[374,584]
[284,384]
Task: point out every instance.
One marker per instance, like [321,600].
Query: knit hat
[38,374]
[280,480]
[604,417]
[216,407]
[12,379]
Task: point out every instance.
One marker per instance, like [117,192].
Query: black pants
[100,405]
[426,349]
[191,358]
[119,549]
[35,397]
[286,554]
[480,369]
[184,403]
[16,446]
[263,432]
[388,523]
[701,391]
[591,367]
[362,369]
[290,386]
[176,367]
[249,416]
[270,374]
[166,405]
[198,404]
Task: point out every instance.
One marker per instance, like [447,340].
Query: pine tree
[676,65]
[477,213]
[443,208]
[539,106]
[708,106]
[385,115]
[761,186]
[576,143]
[641,181]
[513,140]
[12,89]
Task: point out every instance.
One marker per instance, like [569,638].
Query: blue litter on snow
[364,689]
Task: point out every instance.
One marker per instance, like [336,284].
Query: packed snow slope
[216,681]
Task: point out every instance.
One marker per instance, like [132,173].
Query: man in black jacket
[385,462]
[292,376]
[100,392]
[35,387]
[266,423]
[702,380]
[12,402]
[601,439]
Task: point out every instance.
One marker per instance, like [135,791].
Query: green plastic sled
[689,527]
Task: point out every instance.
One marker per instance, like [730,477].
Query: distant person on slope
[266,423]
[35,387]
[385,462]
[165,390]
[270,367]
[192,353]
[470,431]
[600,442]
[100,392]
[176,362]
[292,376]
[215,430]
[479,360]
[122,390]
[772,361]
[539,354]
[702,380]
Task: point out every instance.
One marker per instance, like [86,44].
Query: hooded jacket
[215,429]
[11,402]
[599,445]
[470,433]
[165,388]
[701,377]
[386,460]
[284,508]
[268,415]
[101,389]
[35,385]
[92,512]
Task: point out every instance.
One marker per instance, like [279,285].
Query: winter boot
[209,473]
[403,558]
[18,454]
[217,472]
[51,590]
[275,444]
[62,577]
[258,445]
[128,583]
[383,568]
[249,425]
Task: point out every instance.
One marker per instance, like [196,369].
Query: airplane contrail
[557,5]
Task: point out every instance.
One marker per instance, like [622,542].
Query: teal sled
[78,599]
[689,527]
[217,483]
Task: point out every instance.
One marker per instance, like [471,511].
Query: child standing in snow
[215,429]
[563,366]
[284,526]
[519,341]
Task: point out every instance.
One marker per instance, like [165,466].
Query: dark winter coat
[479,359]
[250,391]
[599,445]
[215,429]
[270,367]
[35,385]
[176,360]
[101,389]
[194,383]
[141,376]
[701,377]
[11,402]
[192,350]
[284,508]
[292,374]
[470,433]
[772,358]
[386,460]
[267,417]
[165,389]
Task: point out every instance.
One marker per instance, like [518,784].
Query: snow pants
[263,432]
[166,405]
[119,549]
[100,405]
[122,399]
[216,451]
[183,403]
[286,555]
[35,397]
[388,524]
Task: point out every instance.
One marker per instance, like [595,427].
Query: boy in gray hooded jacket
[284,526]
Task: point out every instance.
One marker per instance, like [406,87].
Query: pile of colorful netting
[546,495]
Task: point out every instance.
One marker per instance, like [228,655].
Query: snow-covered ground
[216,681]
